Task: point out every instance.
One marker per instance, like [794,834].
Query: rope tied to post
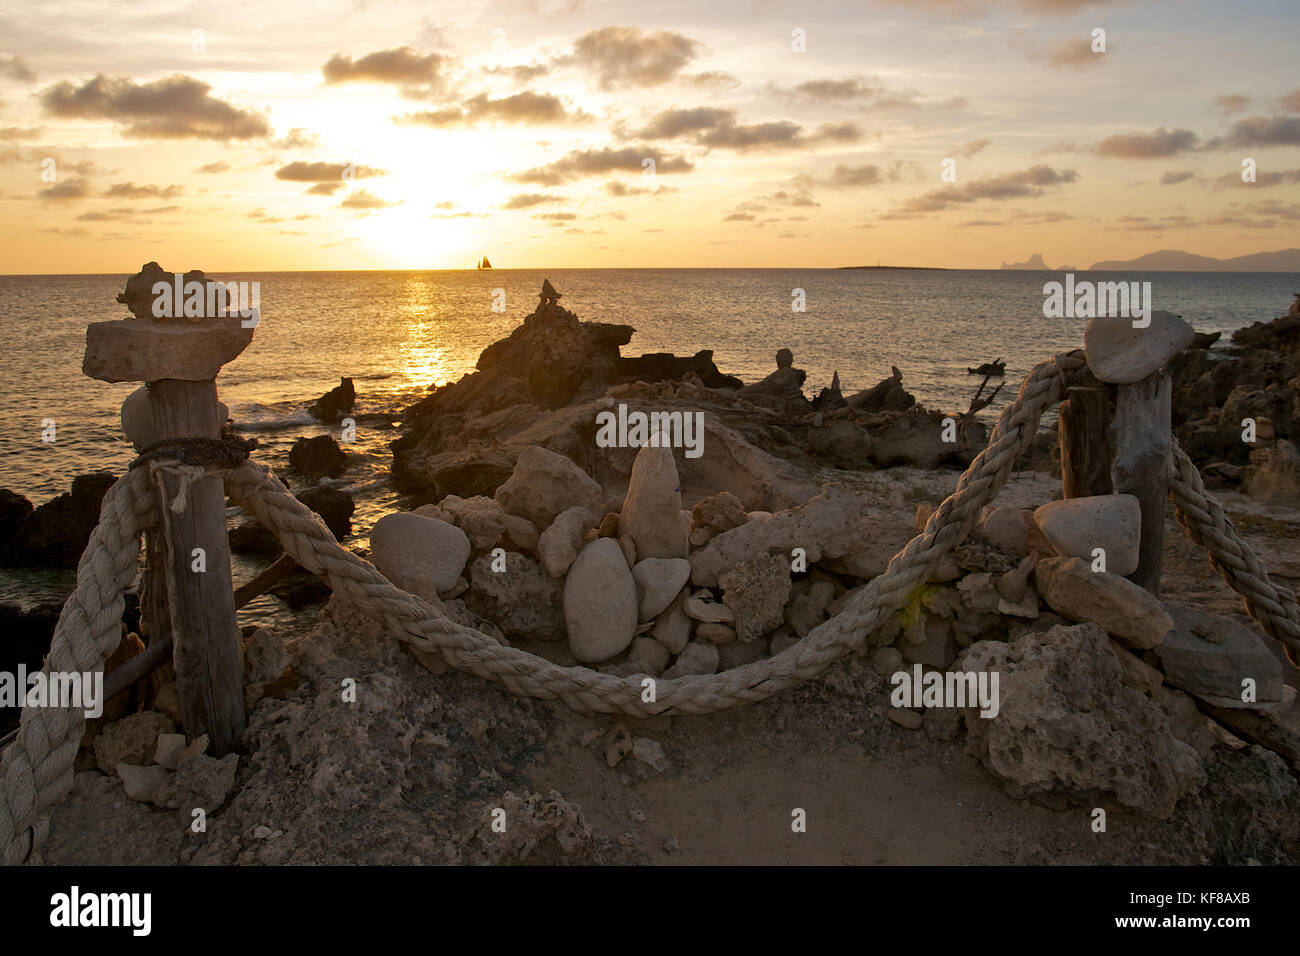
[191,459]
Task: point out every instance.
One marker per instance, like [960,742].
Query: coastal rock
[480,517]
[559,544]
[543,484]
[1121,354]
[697,658]
[55,533]
[334,506]
[199,781]
[144,350]
[1004,527]
[756,591]
[888,395]
[336,403]
[658,582]
[141,783]
[318,457]
[1211,656]
[716,634]
[522,532]
[600,602]
[167,753]
[1076,526]
[418,554]
[131,740]
[715,514]
[701,607]
[929,641]
[651,512]
[523,600]
[885,535]
[1274,475]
[673,626]
[1124,610]
[1068,724]
[648,655]
[806,610]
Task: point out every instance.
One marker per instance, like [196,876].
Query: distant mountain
[1175,260]
[1033,262]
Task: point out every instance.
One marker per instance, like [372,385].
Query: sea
[397,334]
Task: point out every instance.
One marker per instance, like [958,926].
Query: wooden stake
[209,680]
[1143,444]
[1085,443]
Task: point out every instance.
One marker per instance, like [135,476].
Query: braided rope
[36,771]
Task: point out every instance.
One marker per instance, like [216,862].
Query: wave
[258,417]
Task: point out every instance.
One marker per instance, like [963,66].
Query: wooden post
[1143,447]
[1085,443]
[201,605]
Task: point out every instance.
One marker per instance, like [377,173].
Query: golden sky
[392,135]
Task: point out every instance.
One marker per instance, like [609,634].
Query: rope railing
[36,771]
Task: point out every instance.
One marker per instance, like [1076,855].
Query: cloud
[975,146]
[361,199]
[16,68]
[1231,102]
[177,107]
[68,189]
[415,74]
[968,8]
[1262,179]
[1265,131]
[1030,182]
[599,161]
[739,217]
[714,80]
[1174,177]
[301,172]
[1075,53]
[132,191]
[556,216]
[522,73]
[1160,144]
[14,133]
[629,58]
[719,129]
[527,200]
[325,189]
[522,108]
[217,167]
[296,138]
[1289,102]
[849,176]
[866,93]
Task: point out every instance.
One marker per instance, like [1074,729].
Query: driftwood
[1085,442]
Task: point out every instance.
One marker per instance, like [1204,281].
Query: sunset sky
[395,135]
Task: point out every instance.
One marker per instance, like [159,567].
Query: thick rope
[36,771]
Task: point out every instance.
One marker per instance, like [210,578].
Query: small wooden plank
[1143,450]
[209,680]
[1085,442]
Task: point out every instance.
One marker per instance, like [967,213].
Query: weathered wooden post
[1132,356]
[1084,420]
[178,358]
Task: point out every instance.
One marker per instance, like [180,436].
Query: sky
[383,134]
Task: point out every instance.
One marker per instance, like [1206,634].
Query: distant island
[912,268]
[1033,262]
[1176,260]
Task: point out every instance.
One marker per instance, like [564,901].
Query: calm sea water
[398,333]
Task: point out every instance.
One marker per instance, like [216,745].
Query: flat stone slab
[140,350]
[1210,656]
[1077,526]
[1121,354]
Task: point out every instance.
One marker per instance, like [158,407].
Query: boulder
[673,626]
[651,514]
[522,532]
[648,655]
[715,514]
[523,600]
[334,506]
[1004,527]
[318,457]
[480,517]
[1076,526]
[600,602]
[336,403]
[716,634]
[1067,724]
[1274,475]
[658,582]
[131,740]
[1211,656]
[543,484]
[1121,354]
[418,554]
[56,533]
[1124,610]
[141,783]
[756,591]
[560,543]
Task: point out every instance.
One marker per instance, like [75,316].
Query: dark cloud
[325,189]
[1175,176]
[14,133]
[975,146]
[523,73]
[1033,181]
[16,68]
[68,189]
[849,176]
[1075,53]
[715,80]
[1265,131]
[301,172]
[597,162]
[1160,144]
[1289,102]
[521,108]
[132,191]
[860,91]
[414,73]
[670,124]
[719,129]
[361,199]
[1262,179]
[177,107]
[217,167]
[1231,102]
[527,200]
[978,8]
[626,57]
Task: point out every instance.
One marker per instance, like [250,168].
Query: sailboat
[485,264]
